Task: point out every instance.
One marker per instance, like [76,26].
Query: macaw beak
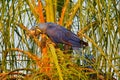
[35,32]
[38,31]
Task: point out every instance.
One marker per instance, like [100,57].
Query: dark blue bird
[59,34]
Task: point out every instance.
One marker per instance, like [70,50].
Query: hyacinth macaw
[59,34]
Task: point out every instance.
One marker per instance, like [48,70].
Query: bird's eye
[36,27]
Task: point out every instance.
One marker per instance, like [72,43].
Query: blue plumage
[59,34]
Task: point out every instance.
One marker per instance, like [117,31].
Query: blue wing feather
[59,34]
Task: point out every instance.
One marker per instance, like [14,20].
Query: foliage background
[96,21]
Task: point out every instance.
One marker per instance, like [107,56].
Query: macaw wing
[58,35]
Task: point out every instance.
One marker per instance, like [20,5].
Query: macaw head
[39,29]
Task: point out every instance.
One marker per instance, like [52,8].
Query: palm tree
[97,22]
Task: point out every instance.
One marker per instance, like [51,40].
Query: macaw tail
[84,44]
